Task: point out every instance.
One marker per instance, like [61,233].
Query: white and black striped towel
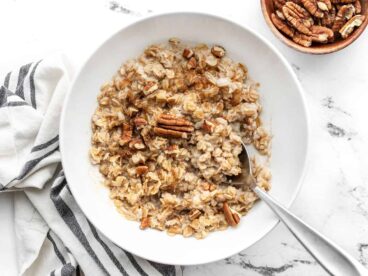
[53,237]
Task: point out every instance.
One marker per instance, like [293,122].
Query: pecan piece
[149,88]
[312,7]
[232,217]
[282,26]
[127,132]
[139,170]
[302,39]
[192,63]
[172,120]
[139,122]
[345,13]
[145,222]
[137,144]
[218,51]
[208,126]
[170,133]
[188,53]
[298,17]
[349,27]
[321,34]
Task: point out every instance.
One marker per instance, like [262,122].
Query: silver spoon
[328,254]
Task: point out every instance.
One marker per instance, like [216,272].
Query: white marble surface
[334,197]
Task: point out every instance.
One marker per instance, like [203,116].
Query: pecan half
[324,5]
[170,119]
[329,18]
[280,15]
[313,8]
[321,34]
[302,39]
[298,17]
[232,217]
[342,1]
[344,14]
[127,132]
[279,3]
[282,26]
[170,133]
[358,7]
[139,170]
[169,125]
[349,27]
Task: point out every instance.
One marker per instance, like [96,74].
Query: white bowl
[284,112]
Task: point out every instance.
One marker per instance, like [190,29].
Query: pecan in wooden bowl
[316,26]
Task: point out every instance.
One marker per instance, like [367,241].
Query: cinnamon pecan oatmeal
[167,133]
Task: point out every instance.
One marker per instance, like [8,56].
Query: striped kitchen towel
[52,235]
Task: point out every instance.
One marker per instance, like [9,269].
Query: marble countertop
[334,197]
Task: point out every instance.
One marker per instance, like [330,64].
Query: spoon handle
[331,257]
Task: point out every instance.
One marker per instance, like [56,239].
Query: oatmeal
[167,134]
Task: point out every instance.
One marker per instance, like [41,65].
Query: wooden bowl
[268,9]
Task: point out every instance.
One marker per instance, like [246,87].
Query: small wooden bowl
[318,49]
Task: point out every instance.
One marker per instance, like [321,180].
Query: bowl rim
[62,142]
[313,50]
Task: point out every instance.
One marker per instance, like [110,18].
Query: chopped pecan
[188,53]
[232,217]
[218,51]
[345,13]
[298,17]
[282,26]
[150,87]
[313,8]
[172,147]
[172,120]
[170,133]
[136,143]
[192,63]
[349,27]
[302,39]
[139,122]
[127,132]
[208,126]
[145,222]
[321,34]
[139,170]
